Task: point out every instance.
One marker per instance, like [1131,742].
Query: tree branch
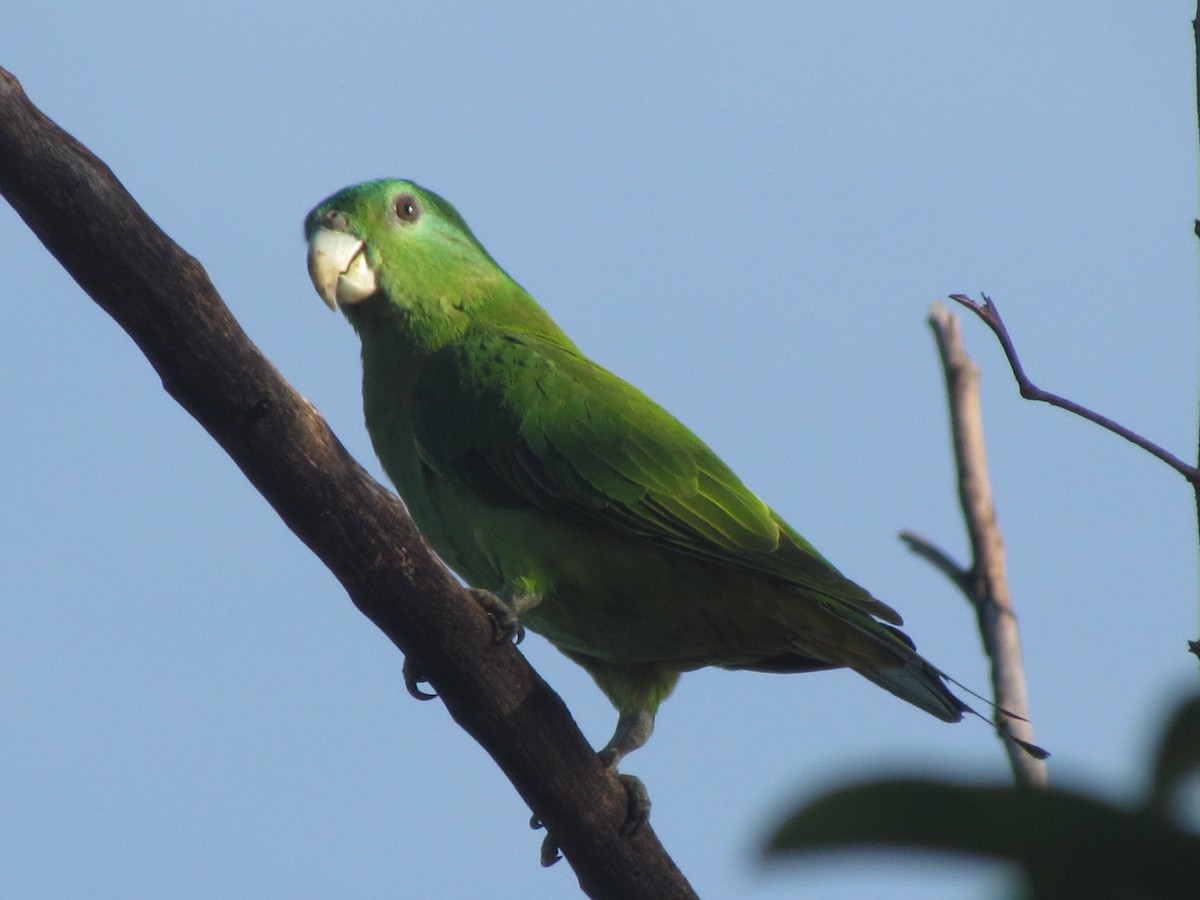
[939,559]
[1194,646]
[984,583]
[163,299]
[990,314]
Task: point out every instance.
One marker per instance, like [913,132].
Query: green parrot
[570,501]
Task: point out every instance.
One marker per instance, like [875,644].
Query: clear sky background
[744,209]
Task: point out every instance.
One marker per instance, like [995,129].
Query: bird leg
[633,730]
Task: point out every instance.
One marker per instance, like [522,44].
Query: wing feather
[521,420]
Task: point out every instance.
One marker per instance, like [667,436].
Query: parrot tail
[916,681]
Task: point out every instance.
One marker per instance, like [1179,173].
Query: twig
[990,314]
[939,559]
[984,583]
[1194,646]
[164,300]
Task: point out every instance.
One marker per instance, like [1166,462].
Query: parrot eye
[406,208]
[333,220]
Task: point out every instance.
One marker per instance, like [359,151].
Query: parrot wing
[524,421]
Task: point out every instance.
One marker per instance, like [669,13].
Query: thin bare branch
[1194,646]
[984,583]
[939,559]
[165,302]
[990,314]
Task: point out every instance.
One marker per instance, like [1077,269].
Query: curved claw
[505,624]
[549,854]
[413,678]
[638,812]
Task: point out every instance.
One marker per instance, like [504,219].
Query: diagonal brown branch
[163,299]
[984,583]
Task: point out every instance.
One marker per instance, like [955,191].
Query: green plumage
[541,477]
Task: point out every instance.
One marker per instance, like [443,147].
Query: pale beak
[338,267]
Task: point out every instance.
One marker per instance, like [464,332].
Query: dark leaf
[1068,844]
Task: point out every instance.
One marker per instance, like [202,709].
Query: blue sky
[743,209]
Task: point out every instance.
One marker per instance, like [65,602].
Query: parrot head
[395,238]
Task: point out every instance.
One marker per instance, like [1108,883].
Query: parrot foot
[549,853]
[505,624]
[638,812]
[412,681]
